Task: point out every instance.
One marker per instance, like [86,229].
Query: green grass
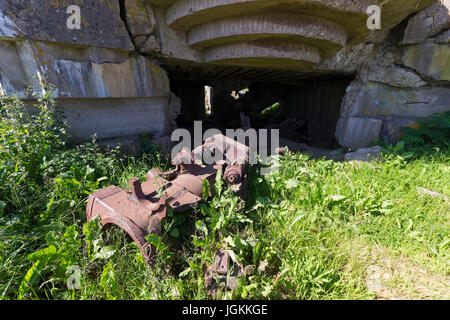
[311,230]
[319,207]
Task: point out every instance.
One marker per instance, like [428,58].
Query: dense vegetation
[312,230]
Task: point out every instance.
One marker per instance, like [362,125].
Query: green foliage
[429,135]
[43,186]
[28,140]
[270,114]
[61,253]
[147,146]
[292,239]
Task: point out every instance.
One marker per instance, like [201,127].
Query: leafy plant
[304,232]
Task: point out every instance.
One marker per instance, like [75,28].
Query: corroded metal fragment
[141,211]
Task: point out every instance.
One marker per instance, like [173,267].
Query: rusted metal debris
[141,211]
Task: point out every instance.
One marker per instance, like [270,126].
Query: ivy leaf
[43,254]
[175,233]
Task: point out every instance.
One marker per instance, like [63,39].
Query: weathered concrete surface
[378,100]
[395,76]
[443,38]
[429,59]
[161,3]
[364,154]
[395,11]
[349,59]
[175,29]
[186,27]
[113,118]
[399,82]
[102,92]
[101,25]
[142,25]
[213,24]
[173,42]
[189,13]
[249,28]
[96,76]
[260,53]
[79,72]
[138,18]
[390,107]
[355,133]
[401,74]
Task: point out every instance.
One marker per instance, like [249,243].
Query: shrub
[28,140]
[44,182]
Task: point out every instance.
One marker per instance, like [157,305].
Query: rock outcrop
[400,81]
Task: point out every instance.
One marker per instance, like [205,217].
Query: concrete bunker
[294,58]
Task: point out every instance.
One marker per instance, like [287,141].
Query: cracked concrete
[99,79]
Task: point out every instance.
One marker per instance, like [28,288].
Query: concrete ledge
[78,72]
[185,14]
[277,26]
[264,54]
[112,118]
[381,101]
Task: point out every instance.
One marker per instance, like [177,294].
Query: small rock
[365,154]
[426,192]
